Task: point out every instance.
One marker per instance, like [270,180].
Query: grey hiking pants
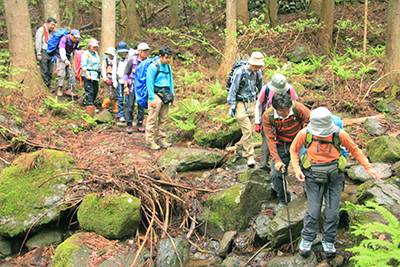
[264,149]
[332,192]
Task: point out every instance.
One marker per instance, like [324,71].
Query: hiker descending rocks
[90,64]
[278,84]
[322,171]
[106,72]
[160,88]
[43,35]
[68,44]
[246,83]
[119,64]
[129,88]
[281,122]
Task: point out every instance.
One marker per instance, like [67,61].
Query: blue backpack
[140,80]
[52,44]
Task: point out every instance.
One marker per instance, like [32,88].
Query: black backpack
[238,64]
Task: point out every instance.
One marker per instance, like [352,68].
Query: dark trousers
[46,68]
[91,90]
[131,106]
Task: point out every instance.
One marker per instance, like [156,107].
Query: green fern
[303,68]
[216,88]
[186,126]
[373,251]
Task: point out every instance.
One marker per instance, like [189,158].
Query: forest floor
[91,148]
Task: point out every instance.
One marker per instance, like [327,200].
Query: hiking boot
[278,207]
[239,152]
[329,249]
[59,92]
[153,146]
[122,119]
[69,93]
[115,106]
[251,162]
[305,248]
[106,103]
[129,129]
[140,128]
[163,142]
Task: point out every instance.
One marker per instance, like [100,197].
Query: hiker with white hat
[119,64]
[247,82]
[281,122]
[278,84]
[322,171]
[106,72]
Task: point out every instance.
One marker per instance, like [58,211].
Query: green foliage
[186,126]
[303,68]
[216,87]
[365,69]
[317,61]
[355,53]
[56,106]
[189,79]
[378,51]
[375,250]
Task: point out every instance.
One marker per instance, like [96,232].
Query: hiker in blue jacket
[157,108]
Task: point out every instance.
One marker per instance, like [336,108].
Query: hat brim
[278,90]
[77,35]
[256,62]
[322,132]
[122,50]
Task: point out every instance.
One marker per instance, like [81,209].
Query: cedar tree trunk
[108,25]
[392,53]
[325,33]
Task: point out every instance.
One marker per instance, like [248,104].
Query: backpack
[52,44]
[140,80]
[77,63]
[265,103]
[238,64]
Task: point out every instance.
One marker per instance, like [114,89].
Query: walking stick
[288,214]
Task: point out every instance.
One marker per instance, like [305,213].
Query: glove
[258,128]
[115,85]
[280,166]
[233,110]
[108,82]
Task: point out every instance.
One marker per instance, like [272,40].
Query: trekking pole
[288,215]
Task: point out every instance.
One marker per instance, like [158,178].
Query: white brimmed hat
[110,51]
[321,124]
[278,84]
[257,59]
[143,46]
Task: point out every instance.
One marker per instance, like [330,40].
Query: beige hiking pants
[246,122]
[160,112]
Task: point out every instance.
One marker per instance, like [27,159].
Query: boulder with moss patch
[112,216]
[31,190]
[384,149]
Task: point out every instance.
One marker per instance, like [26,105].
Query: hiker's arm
[150,82]
[234,87]
[259,81]
[84,66]
[38,42]
[298,141]
[303,112]
[114,72]
[171,81]
[259,105]
[104,69]
[127,70]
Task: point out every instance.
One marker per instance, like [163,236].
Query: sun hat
[321,123]
[143,46]
[93,42]
[110,51]
[75,33]
[122,47]
[278,83]
[257,59]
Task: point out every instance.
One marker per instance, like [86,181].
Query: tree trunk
[132,28]
[123,12]
[69,12]
[315,7]
[230,40]
[24,70]
[96,14]
[174,14]
[392,54]
[51,10]
[76,16]
[242,12]
[325,33]
[271,15]
[108,26]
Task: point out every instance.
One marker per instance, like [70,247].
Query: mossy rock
[390,105]
[219,98]
[384,149]
[299,88]
[218,139]
[111,216]
[27,192]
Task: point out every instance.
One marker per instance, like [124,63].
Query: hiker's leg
[61,72]
[162,121]
[129,107]
[89,91]
[332,208]
[313,213]
[70,77]
[96,89]
[152,121]
[245,117]
[120,95]
[264,149]
[284,154]
[44,69]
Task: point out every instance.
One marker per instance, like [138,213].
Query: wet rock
[232,262]
[104,117]
[261,225]
[190,159]
[381,193]
[112,216]
[5,248]
[45,238]
[23,201]
[358,173]
[278,231]
[294,261]
[300,53]
[384,149]
[213,245]
[167,255]
[396,168]
[225,246]
[374,127]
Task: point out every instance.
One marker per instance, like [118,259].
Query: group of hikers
[311,140]
[117,69]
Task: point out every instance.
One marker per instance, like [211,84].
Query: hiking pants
[264,148]
[160,112]
[120,97]
[131,106]
[91,90]
[46,68]
[65,72]
[245,114]
[284,154]
[110,90]
[332,192]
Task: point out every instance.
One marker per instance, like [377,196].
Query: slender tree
[51,9]
[392,53]
[231,48]
[132,28]
[325,33]
[108,28]
[271,15]
[96,14]
[22,56]
[76,14]
[315,7]
[242,12]
[174,14]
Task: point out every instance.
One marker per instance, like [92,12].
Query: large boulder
[167,254]
[45,238]
[299,53]
[381,193]
[358,173]
[111,216]
[384,149]
[5,248]
[32,188]
[374,127]
[189,159]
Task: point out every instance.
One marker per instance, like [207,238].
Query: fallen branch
[266,245]
[347,122]
[232,148]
